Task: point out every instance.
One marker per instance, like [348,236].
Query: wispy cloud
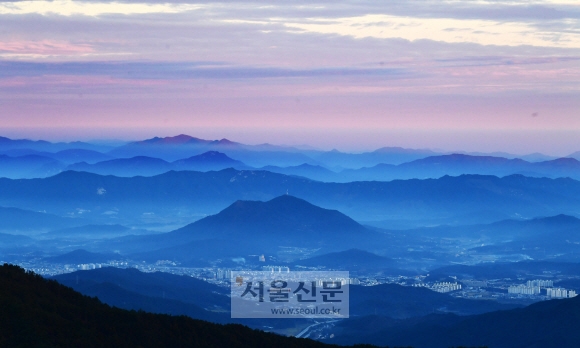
[70,8]
[171,71]
[44,47]
[482,32]
[505,61]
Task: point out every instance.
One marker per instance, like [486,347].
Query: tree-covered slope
[35,312]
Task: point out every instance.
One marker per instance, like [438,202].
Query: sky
[353,75]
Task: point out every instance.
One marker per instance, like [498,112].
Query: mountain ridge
[151,166]
[209,192]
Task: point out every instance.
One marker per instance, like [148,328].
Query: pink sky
[465,76]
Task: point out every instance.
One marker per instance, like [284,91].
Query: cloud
[70,8]
[44,47]
[300,35]
[476,61]
[179,71]
[482,32]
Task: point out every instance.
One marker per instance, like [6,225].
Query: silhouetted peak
[285,207]
[289,199]
[175,140]
[225,141]
[283,201]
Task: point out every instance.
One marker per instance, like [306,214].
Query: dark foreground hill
[554,323]
[35,312]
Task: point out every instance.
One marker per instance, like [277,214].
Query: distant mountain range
[140,165]
[438,166]
[429,167]
[183,194]
[211,160]
[184,146]
[36,165]
[40,164]
[68,156]
[26,163]
[7,144]
[145,158]
[390,155]
[457,164]
[148,166]
[172,148]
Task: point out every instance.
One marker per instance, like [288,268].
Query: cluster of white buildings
[533,287]
[560,293]
[82,267]
[524,290]
[446,287]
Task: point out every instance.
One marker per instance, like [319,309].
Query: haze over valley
[452,238]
